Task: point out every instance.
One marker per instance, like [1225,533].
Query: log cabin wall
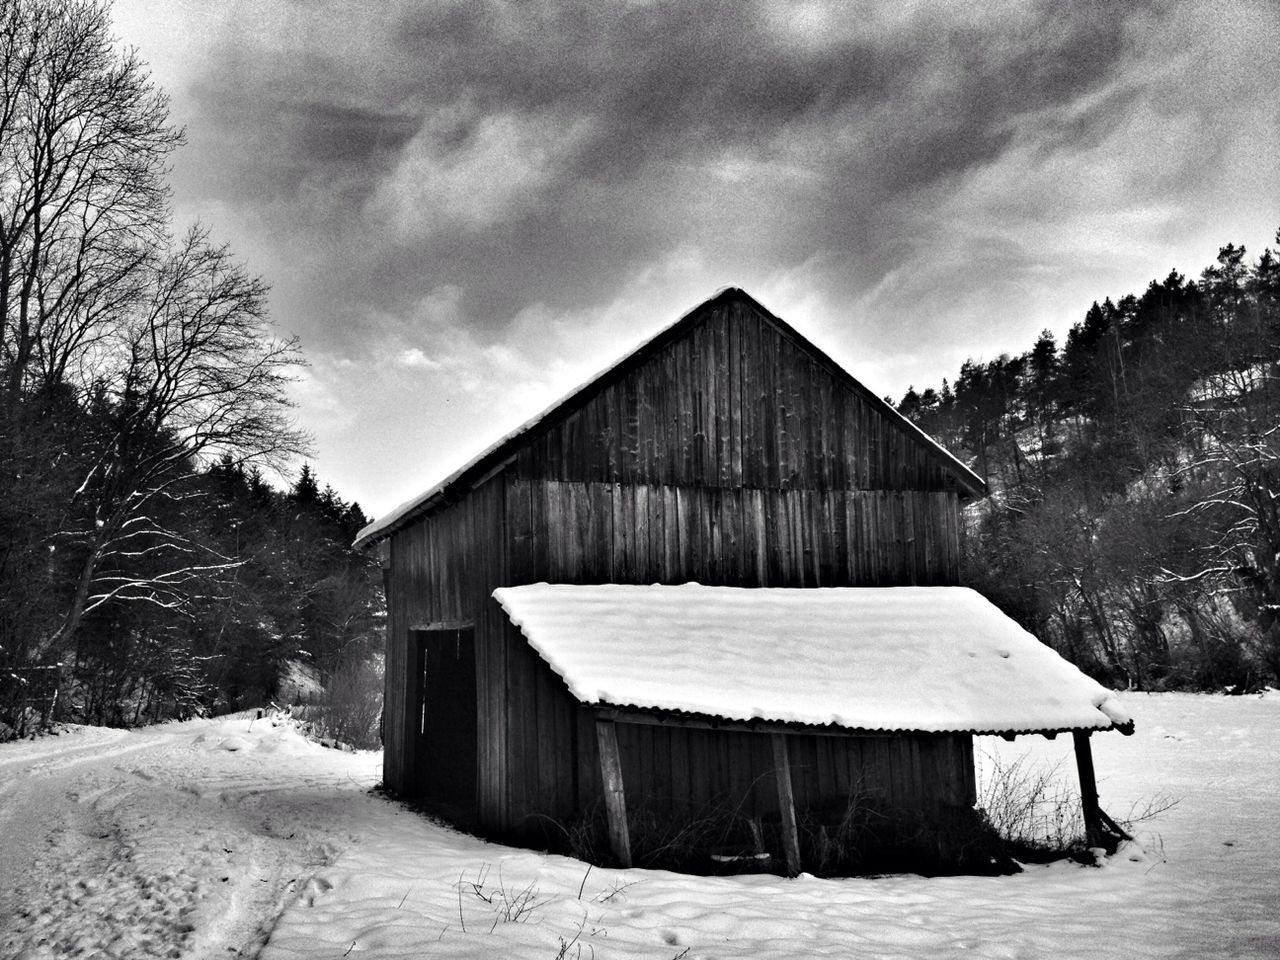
[731,455]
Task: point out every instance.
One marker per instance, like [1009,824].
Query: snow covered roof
[930,659]
[396,518]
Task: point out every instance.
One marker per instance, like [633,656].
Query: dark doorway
[446,721]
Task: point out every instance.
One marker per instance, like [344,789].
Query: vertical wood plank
[590,789]
[643,567]
[786,803]
[615,800]
[736,413]
[682,468]
[768,406]
[669,438]
[601,496]
[527,772]
[911,536]
[714,530]
[547,753]
[672,569]
[970,795]
[643,379]
[397,675]
[697,409]
[754,504]
[726,417]
[781,398]
[519,518]
[680,774]
[1088,789]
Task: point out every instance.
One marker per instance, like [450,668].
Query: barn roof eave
[656,716]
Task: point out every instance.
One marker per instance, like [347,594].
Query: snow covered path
[229,838]
[182,840]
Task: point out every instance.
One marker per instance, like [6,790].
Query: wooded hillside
[1134,522]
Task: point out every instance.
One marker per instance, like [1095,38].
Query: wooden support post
[615,800]
[786,803]
[1093,830]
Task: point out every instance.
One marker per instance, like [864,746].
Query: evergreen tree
[1135,516]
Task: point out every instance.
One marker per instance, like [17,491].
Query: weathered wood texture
[1094,834]
[443,569]
[676,772]
[572,532]
[736,402]
[615,801]
[786,803]
[731,455]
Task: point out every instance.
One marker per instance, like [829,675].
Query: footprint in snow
[315,888]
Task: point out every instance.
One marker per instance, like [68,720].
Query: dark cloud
[263,143]
[897,163]
[679,79]
[657,101]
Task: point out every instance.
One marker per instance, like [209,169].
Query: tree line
[1135,518]
[143,394]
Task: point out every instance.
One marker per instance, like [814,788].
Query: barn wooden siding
[735,402]
[570,532]
[444,570]
[676,771]
[730,456]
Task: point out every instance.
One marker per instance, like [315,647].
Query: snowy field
[231,838]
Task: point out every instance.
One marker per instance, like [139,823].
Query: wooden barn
[658,642]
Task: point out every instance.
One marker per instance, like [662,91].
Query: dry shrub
[662,841]
[1036,811]
[349,709]
[1033,809]
[839,840]
[866,837]
[855,838]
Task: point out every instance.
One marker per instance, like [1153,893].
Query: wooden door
[446,721]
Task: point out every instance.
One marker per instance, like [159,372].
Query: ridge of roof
[478,465]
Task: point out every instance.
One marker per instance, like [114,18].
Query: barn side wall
[442,569]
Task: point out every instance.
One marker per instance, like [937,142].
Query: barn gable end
[728,396]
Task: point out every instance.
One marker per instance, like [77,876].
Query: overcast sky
[465,209]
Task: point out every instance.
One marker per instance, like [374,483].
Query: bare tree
[198,376]
[84,138]
[126,358]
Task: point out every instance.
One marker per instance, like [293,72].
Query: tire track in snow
[81,890]
[177,841]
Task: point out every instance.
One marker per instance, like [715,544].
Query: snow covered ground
[232,838]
